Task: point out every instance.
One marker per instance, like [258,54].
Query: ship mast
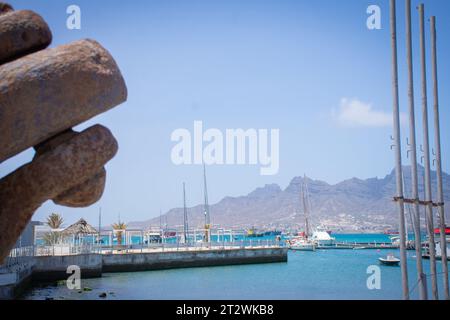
[305,206]
[161,229]
[206,208]
[99,225]
[185,220]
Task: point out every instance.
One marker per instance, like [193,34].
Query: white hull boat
[390,260]
[303,247]
[301,244]
[323,238]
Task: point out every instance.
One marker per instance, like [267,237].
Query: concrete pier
[92,265]
[16,281]
[53,268]
[189,259]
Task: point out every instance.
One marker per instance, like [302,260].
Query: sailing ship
[321,236]
[302,241]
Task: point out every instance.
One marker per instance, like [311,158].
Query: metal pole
[414,177]
[185,215]
[207,214]
[398,155]
[437,139]
[99,243]
[426,146]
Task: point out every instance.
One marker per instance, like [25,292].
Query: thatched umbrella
[80,228]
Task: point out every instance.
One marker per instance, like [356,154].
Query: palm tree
[119,227]
[51,238]
[55,221]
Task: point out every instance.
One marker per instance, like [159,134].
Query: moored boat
[390,260]
[323,238]
[253,233]
[301,244]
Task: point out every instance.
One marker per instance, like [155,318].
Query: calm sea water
[325,274]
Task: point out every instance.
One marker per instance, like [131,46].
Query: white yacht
[318,238]
[322,238]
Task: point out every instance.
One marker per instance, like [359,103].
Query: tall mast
[185,220]
[398,156]
[99,225]
[415,221]
[305,206]
[437,140]
[405,207]
[206,208]
[426,147]
[161,229]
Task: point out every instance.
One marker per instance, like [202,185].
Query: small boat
[306,246]
[301,244]
[252,233]
[390,260]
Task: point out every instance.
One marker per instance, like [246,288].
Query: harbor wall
[189,259]
[51,268]
[14,283]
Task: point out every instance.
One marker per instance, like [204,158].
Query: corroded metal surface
[21,33]
[48,92]
[48,176]
[43,95]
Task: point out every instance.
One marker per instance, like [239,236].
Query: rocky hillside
[352,205]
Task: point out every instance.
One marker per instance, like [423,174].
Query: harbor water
[324,274]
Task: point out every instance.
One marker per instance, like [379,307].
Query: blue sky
[309,68]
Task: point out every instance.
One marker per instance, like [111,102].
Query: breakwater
[53,268]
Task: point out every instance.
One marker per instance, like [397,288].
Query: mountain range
[352,205]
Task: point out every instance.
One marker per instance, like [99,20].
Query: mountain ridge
[352,205]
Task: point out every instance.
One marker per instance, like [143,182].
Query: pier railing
[192,246]
[17,258]
[22,255]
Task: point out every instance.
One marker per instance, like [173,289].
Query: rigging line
[418,281]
